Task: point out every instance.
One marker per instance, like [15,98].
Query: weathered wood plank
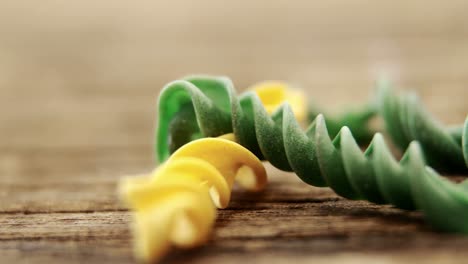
[304,231]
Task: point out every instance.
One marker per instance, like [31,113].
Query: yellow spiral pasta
[175,205]
[273,94]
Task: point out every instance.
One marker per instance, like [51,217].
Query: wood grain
[78,87]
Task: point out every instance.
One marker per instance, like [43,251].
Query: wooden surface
[78,86]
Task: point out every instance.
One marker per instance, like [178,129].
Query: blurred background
[74,72]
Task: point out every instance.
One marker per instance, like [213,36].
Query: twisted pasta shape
[312,154]
[203,106]
[407,120]
[176,203]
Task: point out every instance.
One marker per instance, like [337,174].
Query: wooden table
[78,87]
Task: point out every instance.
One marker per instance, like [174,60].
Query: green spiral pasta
[204,106]
[200,106]
[407,120]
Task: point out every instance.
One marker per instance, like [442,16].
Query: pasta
[407,120]
[209,106]
[175,205]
